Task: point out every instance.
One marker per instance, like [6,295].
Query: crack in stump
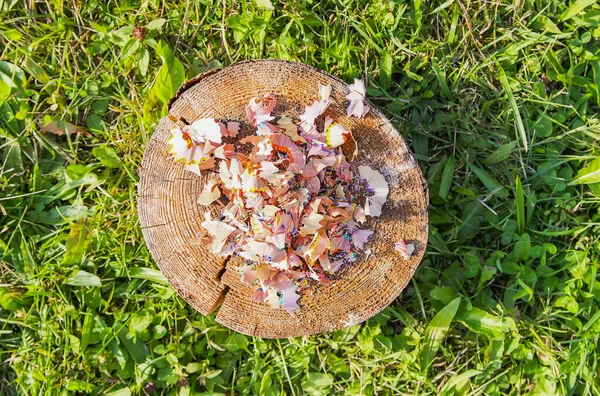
[222,271]
[219,301]
[226,288]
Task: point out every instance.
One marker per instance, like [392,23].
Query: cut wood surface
[170,216]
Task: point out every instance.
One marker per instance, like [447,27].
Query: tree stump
[170,216]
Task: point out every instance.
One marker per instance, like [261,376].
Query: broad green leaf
[317,383]
[121,36]
[139,322]
[130,48]
[239,25]
[193,367]
[136,348]
[95,124]
[481,322]
[568,303]
[444,294]
[84,278]
[86,331]
[595,189]
[523,247]
[235,342]
[62,214]
[12,34]
[35,180]
[100,106]
[589,174]
[436,168]
[74,344]
[119,354]
[543,127]
[457,380]
[156,24]
[495,350]
[549,25]
[159,332]
[472,264]
[447,176]
[575,8]
[12,159]
[414,76]
[143,61]
[513,104]
[119,392]
[510,229]
[61,190]
[385,70]
[266,4]
[488,181]
[12,126]
[76,171]
[13,300]
[12,81]
[76,243]
[212,374]
[470,220]
[107,156]
[436,332]
[36,71]
[266,383]
[420,143]
[148,274]
[169,78]
[487,273]
[508,267]
[79,386]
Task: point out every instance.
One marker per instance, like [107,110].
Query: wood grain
[170,216]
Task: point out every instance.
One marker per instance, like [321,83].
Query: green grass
[498,100]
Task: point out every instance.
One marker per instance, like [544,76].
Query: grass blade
[589,174]
[441,79]
[76,243]
[136,348]
[457,380]
[520,197]
[447,177]
[385,70]
[576,8]
[84,278]
[120,392]
[86,331]
[502,153]
[513,104]
[470,220]
[436,331]
[148,274]
[366,36]
[591,322]
[596,74]
[488,181]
